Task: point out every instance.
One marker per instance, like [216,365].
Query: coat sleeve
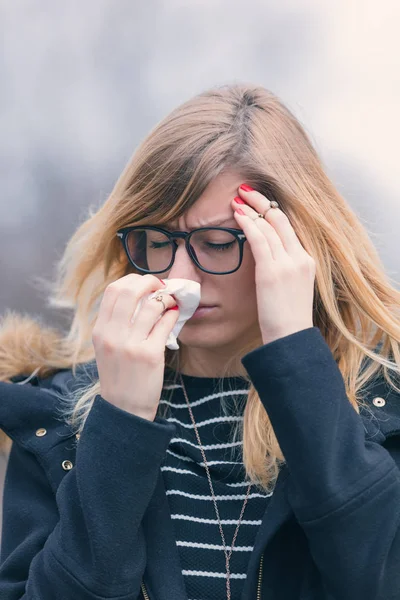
[344,489]
[86,541]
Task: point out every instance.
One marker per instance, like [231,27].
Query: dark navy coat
[92,522]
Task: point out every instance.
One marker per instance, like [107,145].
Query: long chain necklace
[227,556]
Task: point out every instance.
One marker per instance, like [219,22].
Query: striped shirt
[192,510]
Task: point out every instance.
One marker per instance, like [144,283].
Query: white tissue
[187,295]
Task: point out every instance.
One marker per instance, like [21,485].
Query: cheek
[238,290]
[246,285]
[246,273]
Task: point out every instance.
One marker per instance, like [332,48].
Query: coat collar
[380,409]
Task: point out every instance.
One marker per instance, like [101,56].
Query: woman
[260,460]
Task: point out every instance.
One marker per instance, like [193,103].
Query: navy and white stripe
[192,509]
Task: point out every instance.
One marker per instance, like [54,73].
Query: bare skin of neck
[212,362]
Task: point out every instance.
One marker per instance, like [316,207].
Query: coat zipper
[147,597]
[145,594]
[260,578]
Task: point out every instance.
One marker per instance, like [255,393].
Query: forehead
[213,207]
[223,221]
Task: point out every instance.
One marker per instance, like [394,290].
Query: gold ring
[272,204]
[160,299]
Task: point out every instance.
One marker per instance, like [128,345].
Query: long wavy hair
[248,129]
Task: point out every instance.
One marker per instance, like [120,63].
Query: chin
[205,337]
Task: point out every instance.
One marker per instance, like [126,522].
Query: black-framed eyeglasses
[215,250]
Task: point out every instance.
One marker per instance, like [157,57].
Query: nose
[183,266]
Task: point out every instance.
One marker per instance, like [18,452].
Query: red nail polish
[240,211]
[239,200]
[175,308]
[246,188]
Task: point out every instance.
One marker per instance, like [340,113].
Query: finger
[159,335]
[260,247]
[254,198]
[278,250]
[281,224]
[276,217]
[149,313]
[140,284]
[108,301]
[273,240]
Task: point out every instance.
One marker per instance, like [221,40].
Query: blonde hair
[248,129]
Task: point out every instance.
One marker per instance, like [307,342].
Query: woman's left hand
[284,271]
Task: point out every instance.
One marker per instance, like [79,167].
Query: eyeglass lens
[215,250]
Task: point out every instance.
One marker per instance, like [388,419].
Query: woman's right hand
[130,355]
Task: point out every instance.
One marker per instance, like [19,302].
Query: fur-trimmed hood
[26,343]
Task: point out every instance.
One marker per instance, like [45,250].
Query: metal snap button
[67,465]
[379,401]
[78,435]
[40,432]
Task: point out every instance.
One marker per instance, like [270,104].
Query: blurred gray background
[83,82]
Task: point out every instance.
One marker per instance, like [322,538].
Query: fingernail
[239,200]
[246,188]
[175,308]
[240,211]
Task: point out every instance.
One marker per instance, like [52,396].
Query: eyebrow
[209,224]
